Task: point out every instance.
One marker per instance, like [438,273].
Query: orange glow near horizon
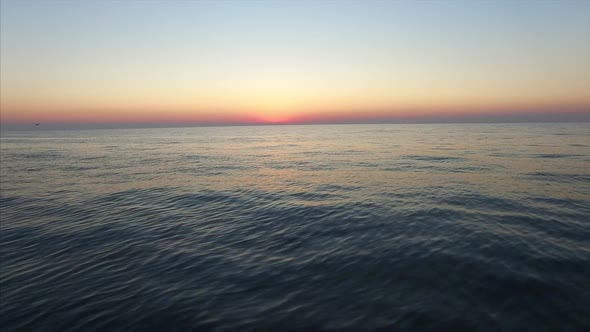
[269,116]
[278,96]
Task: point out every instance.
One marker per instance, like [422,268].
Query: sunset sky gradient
[81,63]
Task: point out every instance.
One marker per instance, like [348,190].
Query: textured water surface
[346,227]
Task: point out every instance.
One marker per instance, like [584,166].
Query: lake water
[479,227]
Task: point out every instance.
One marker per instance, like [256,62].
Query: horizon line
[118,126]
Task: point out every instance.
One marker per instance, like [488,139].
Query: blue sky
[280,61]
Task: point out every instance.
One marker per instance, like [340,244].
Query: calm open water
[345,227]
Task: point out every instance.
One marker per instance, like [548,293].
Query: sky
[158,63]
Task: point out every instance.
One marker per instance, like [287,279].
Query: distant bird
[36,124]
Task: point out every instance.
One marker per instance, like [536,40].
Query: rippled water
[357,227]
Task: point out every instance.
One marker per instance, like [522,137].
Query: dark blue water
[350,227]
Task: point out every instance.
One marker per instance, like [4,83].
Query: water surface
[345,227]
